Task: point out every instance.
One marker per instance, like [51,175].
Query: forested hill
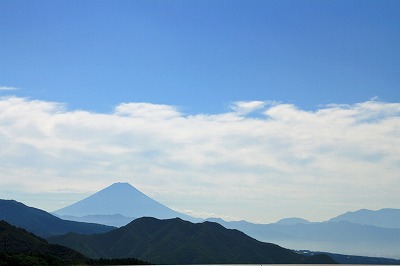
[174,241]
[18,245]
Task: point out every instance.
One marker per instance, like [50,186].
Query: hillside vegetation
[175,241]
[19,247]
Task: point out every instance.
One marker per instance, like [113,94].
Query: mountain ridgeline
[363,233]
[387,218]
[174,241]
[169,240]
[43,223]
[19,247]
[336,237]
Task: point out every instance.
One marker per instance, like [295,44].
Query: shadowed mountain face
[122,199]
[43,223]
[15,240]
[19,247]
[175,241]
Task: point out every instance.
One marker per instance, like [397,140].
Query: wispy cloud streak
[5,88]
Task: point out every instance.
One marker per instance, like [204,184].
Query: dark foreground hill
[19,247]
[175,241]
[351,260]
[43,223]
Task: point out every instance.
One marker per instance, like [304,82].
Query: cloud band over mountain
[257,156]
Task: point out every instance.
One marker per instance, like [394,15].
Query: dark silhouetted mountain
[351,260]
[175,241]
[43,223]
[17,245]
[389,218]
[336,237]
[122,199]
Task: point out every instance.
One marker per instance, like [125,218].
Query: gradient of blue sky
[201,55]
[260,109]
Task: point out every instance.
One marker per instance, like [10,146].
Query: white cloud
[6,88]
[147,110]
[291,162]
[245,107]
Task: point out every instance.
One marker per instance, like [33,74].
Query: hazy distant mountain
[42,223]
[175,241]
[123,199]
[389,218]
[292,221]
[116,220]
[336,237]
[120,202]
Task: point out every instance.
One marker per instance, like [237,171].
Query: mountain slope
[19,247]
[116,220]
[18,244]
[123,199]
[389,218]
[175,241]
[42,223]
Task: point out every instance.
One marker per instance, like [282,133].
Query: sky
[244,110]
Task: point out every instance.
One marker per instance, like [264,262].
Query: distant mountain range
[35,220]
[43,223]
[364,232]
[336,237]
[171,241]
[387,218]
[117,205]
[174,241]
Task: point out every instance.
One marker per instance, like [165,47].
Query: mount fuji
[117,205]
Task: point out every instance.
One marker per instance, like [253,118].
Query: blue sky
[201,55]
[228,83]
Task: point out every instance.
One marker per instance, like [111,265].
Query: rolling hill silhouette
[352,233]
[174,241]
[43,223]
[18,247]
